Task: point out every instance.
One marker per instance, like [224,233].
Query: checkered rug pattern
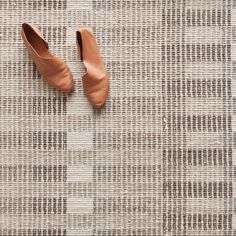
[158,159]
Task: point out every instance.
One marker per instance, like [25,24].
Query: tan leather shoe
[53,69]
[96,79]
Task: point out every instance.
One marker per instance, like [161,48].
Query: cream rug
[159,159]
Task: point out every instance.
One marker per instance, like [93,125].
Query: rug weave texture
[159,159]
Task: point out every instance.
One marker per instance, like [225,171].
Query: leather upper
[53,69]
[96,79]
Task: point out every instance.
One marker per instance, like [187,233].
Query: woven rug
[158,160]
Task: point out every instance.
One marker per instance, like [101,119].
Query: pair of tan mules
[57,73]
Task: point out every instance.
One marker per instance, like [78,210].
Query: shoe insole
[37,43]
[79,41]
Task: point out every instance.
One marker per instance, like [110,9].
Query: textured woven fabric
[158,160]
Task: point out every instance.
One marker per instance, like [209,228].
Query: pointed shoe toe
[97,101]
[97,93]
[68,86]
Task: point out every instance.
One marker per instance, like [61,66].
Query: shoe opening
[79,41]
